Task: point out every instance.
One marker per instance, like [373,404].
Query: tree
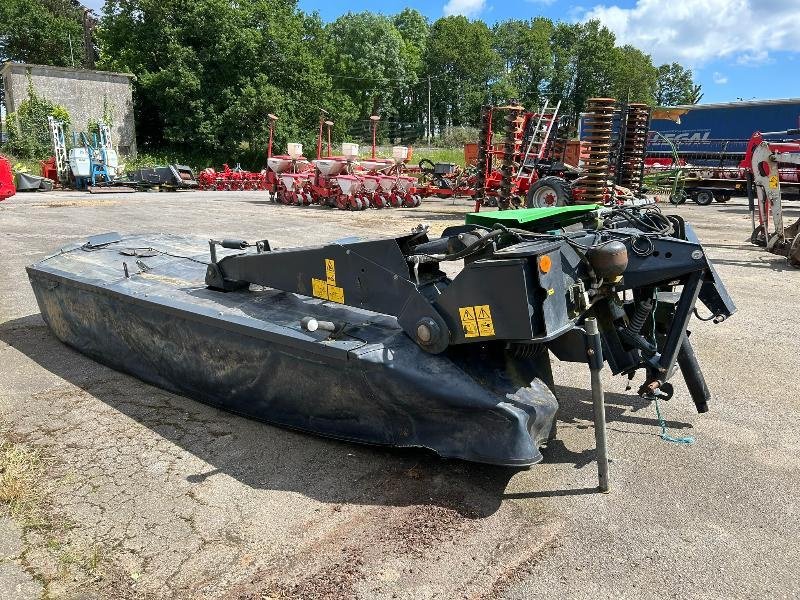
[635,78]
[524,47]
[29,129]
[584,60]
[461,62]
[365,59]
[675,85]
[40,31]
[411,100]
[209,71]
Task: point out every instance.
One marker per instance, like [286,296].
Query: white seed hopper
[329,166]
[293,181]
[370,182]
[387,182]
[405,183]
[349,184]
[375,164]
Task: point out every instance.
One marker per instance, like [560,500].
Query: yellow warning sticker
[467,313]
[483,312]
[319,288]
[773,181]
[327,288]
[470,328]
[335,294]
[485,327]
[476,321]
[330,271]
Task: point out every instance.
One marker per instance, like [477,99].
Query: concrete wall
[82,92]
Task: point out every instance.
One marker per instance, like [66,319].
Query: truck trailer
[711,141]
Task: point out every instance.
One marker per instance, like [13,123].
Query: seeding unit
[346,182]
[236,179]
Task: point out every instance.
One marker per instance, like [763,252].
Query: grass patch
[21,473]
[63,566]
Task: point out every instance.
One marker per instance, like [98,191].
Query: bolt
[424,333]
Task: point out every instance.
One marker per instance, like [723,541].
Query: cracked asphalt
[186,501]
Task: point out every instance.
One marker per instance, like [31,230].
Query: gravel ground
[169,498]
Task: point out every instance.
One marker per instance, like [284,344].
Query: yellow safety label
[335,294]
[327,288]
[330,271]
[773,181]
[476,321]
[319,288]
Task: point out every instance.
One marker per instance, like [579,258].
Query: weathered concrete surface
[15,582]
[86,94]
[190,502]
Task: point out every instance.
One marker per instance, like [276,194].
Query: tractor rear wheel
[549,191]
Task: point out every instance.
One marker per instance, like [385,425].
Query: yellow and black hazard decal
[327,288]
[773,181]
[476,321]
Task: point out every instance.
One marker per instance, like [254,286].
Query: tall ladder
[540,136]
[59,149]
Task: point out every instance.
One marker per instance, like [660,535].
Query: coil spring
[512,140]
[637,126]
[598,124]
[640,316]
[526,350]
[481,161]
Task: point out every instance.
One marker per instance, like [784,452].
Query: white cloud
[753,58]
[694,33]
[468,8]
[719,78]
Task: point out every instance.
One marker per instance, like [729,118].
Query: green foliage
[39,32]
[461,63]
[454,137]
[28,128]
[365,58]
[208,72]
[524,47]
[635,78]
[675,86]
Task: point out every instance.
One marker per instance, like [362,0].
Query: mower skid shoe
[246,352]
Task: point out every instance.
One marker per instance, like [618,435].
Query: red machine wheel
[342,202]
[549,191]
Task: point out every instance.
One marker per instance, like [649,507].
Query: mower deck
[139,304]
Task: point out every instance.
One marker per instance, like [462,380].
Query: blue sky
[737,48]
